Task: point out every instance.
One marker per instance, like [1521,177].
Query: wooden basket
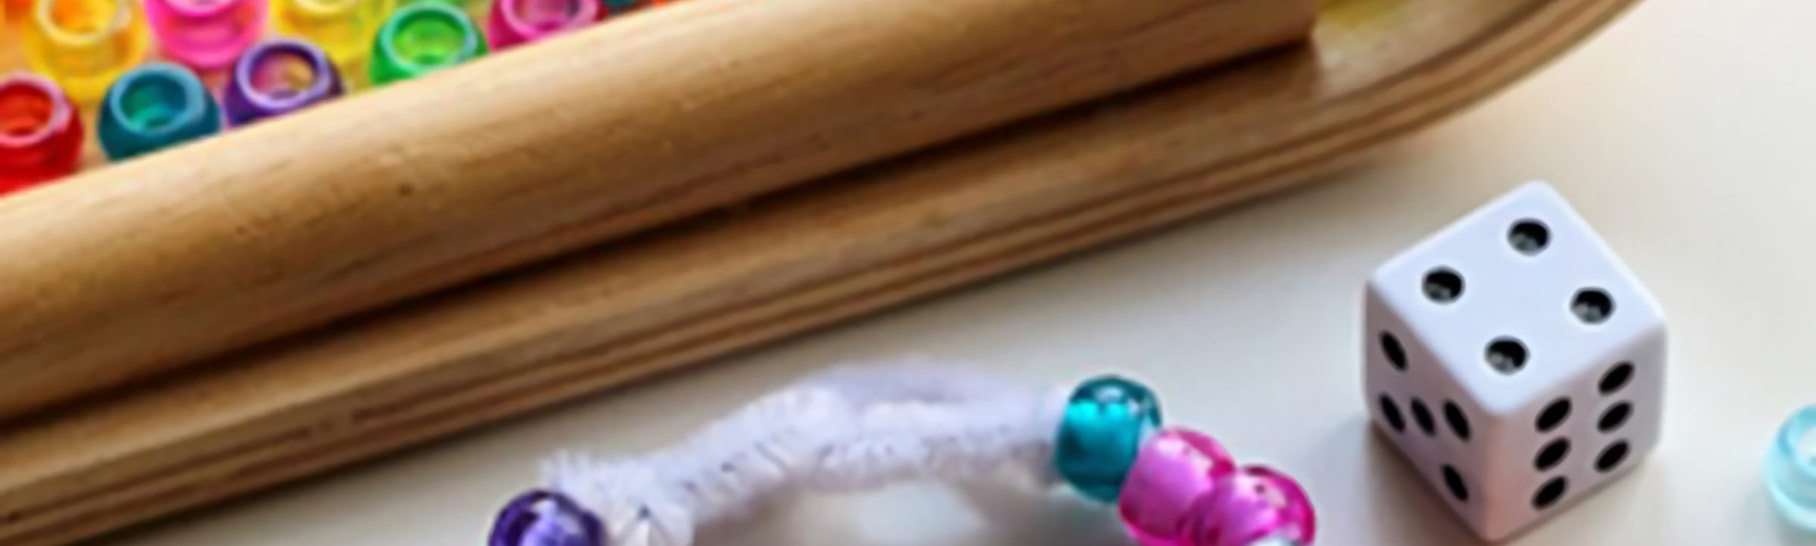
[221,292]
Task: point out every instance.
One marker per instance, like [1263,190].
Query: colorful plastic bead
[1252,506]
[615,8]
[518,21]
[205,34]
[1186,490]
[1107,420]
[84,45]
[1172,470]
[542,518]
[421,38]
[278,77]
[40,132]
[153,107]
[344,29]
[1790,469]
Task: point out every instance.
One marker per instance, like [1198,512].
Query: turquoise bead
[153,107]
[1106,421]
[1790,469]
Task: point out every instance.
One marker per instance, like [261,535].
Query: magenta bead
[205,34]
[1253,504]
[1170,473]
[515,22]
[1186,490]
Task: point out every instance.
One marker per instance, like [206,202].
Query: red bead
[40,132]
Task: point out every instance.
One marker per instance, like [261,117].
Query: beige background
[1686,134]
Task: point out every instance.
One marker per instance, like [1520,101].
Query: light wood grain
[144,266]
[844,247]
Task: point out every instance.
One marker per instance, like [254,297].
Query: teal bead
[1106,420]
[1790,469]
[152,107]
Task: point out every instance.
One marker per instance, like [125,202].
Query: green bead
[1106,421]
[424,37]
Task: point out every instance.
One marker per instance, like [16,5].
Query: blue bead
[1106,421]
[152,107]
[1790,469]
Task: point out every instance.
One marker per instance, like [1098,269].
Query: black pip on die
[1515,361]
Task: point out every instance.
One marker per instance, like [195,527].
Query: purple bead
[250,95]
[525,522]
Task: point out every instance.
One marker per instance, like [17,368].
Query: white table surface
[1686,133]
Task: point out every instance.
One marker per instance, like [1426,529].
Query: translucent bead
[276,78]
[344,29]
[206,35]
[1790,469]
[421,38]
[1185,490]
[1256,505]
[153,107]
[40,132]
[542,518]
[514,22]
[84,45]
[614,8]
[1106,421]
[1171,472]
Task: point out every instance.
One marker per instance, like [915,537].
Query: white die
[1481,370]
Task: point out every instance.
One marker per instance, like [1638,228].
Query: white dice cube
[1515,361]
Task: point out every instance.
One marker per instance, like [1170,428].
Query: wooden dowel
[141,267]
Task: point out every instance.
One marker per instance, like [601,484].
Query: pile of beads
[139,63]
[864,428]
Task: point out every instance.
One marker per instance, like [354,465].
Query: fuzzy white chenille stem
[846,430]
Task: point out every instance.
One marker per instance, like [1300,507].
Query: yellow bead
[344,29]
[85,44]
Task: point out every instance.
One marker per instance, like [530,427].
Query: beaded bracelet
[863,428]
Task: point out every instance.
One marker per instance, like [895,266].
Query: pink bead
[1251,505]
[206,34]
[1170,473]
[1185,490]
[515,22]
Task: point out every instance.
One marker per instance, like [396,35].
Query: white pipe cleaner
[858,429]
